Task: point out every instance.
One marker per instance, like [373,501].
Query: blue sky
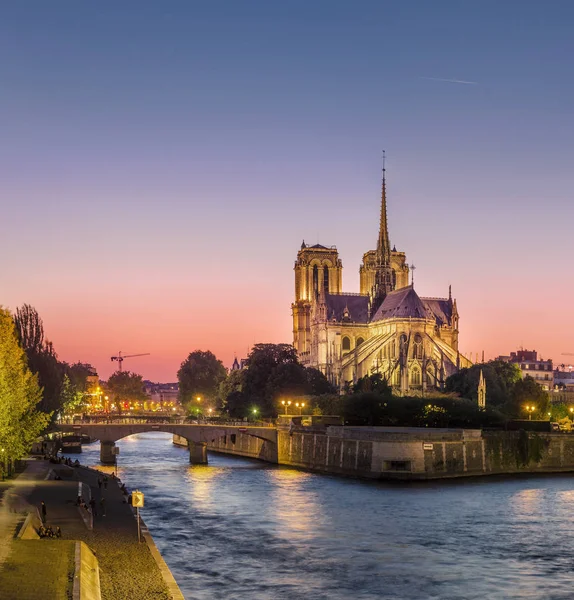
[169,158]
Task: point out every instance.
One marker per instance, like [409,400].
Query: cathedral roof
[357,307]
[401,304]
[441,308]
[318,246]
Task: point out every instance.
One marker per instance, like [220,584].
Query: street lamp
[286,405]
[300,406]
[530,410]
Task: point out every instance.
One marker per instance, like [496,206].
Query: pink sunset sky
[161,168]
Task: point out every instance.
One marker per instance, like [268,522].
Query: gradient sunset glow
[162,163]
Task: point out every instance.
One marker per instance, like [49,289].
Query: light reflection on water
[243,529]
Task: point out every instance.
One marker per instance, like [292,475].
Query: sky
[161,162]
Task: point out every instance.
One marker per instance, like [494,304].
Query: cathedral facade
[386,328]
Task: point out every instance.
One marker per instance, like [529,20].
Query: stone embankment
[405,453]
[97,556]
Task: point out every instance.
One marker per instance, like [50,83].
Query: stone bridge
[197,435]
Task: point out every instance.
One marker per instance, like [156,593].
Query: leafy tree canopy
[375,383]
[42,358]
[20,394]
[526,392]
[500,380]
[200,375]
[125,386]
[318,384]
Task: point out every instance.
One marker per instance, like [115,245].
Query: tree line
[36,386]
[272,372]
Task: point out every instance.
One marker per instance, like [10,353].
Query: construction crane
[120,359]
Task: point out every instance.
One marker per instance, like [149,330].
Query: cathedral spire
[384,280]
[383,245]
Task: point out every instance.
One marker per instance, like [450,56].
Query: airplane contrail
[451,80]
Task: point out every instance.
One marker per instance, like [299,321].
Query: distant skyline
[162,163]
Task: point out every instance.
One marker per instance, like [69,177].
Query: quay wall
[407,453]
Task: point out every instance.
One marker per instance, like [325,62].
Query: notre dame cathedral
[387,328]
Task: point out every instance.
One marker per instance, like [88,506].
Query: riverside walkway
[128,570]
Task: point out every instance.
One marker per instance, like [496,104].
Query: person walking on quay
[105,482]
[93,507]
[103,506]
[43,510]
[100,483]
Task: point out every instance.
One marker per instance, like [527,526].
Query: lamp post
[286,404]
[254,411]
[300,406]
[530,410]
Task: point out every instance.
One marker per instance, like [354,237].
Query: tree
[272,370]
[365,409]
[79,374]
[500,377]
[237,405]
[20,394]
[126,387]
[200,374]
[318,383]
[228,389]
[527,392]
[42,358]
[30,328]
[375,383]
[70,397]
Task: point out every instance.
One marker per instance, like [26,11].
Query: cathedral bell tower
[318,271]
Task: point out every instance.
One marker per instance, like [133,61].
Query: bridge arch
[198,436]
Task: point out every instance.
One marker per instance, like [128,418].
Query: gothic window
[418,347]
[397,377]
[416,376]
[326,279]
[403,344]
[315,280]
[360,341]
[346,344]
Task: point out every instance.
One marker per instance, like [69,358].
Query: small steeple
[303,245]
[481,391]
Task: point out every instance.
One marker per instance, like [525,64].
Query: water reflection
[201,486]
[297,506]
[240,529]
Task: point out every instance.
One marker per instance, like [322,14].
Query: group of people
[62,460]
[90,506]
[49,532]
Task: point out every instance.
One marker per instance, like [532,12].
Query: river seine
[241,529]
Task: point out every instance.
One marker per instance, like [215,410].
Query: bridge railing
[132,420]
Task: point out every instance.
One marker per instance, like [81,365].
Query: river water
[242,529]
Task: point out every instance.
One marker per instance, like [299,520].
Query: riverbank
[407,454]
[127,568]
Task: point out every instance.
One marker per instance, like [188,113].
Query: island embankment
[405,453]
[127,569]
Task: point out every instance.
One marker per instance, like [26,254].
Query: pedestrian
[105,482]
[93,507]
[103,506]
[100,483]
[43,509]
